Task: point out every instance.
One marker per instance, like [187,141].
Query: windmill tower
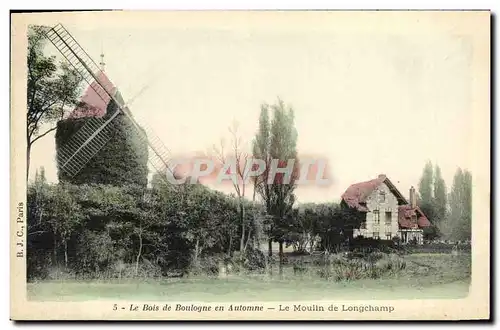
[87,146]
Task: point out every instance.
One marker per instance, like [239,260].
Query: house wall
[373,202]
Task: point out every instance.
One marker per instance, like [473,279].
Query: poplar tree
[439,196]
[460,217]
[425,190]
[276,139]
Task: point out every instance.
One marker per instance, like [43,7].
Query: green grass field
[428,276]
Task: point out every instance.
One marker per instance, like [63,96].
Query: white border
[182,5]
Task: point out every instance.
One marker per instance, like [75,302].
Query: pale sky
[369,100]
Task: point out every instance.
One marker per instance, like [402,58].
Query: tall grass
[349,267]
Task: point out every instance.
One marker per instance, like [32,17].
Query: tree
[440,201]
[426,198]
[277,143]
[261,150]
[64,216]
[236,166]
[37,200]
[52,88]
[461,206]
[39,236]
[305,231]
[426,184]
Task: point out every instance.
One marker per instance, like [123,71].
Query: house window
[382,197]
[388,235]
[363,225]
[388,217]
[376,235]
[376,216]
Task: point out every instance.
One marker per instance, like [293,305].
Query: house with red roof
[388,213]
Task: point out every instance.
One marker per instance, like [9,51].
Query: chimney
[413,198]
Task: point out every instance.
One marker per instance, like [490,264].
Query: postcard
[250,165]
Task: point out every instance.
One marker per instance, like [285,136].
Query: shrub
[254,259]
[299,266]
[206,265]
[354,266]
[145,269]
[366,245]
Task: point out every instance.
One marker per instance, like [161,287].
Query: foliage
[425,189]
[440,200]
[236,166]
[458,223]
[425,185]
[450,214]
[346,267]
[433,200]
[95,230]
[276,141]
[121,161]
[52,88]
[325,226]
[254,259]
[367,245]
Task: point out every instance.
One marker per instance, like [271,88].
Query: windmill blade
[159,155]
[96,132]
[88,141]
[71,50]
[77,154]
[85,144]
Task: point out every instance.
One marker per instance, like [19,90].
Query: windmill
[96,132]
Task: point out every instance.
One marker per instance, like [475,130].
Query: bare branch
[41,135]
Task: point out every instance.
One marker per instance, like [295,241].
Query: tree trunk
[55,249]
[229,251]
[66,253]
[242,219]
[270,247]
[138,253]
[281,252]
[256,234]
[248,239]
[196,252]
[281,258]
[28,158]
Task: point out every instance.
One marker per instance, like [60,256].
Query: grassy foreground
[428,276]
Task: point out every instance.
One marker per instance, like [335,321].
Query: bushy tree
[52,89]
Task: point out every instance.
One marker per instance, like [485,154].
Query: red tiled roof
[405,214]
[355,196]
[91,104]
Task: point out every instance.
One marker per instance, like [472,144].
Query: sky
[370,99]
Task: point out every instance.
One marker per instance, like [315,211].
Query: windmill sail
[87,142]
